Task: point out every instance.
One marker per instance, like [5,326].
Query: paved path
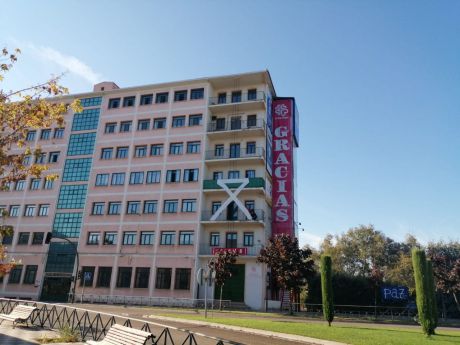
[21,335]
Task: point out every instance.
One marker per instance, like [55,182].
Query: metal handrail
[232,98]
[242,152]
[256,216]
[221,125]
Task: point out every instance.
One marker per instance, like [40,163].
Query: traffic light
[48,238]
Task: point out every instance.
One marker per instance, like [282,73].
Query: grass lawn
[364,334]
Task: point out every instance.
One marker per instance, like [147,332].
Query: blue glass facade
[86,120]
[91,102]
[77,169]
[81,144]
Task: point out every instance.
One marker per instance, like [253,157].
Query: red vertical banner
[282,167]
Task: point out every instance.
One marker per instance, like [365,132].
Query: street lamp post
[209,275]
[49,237]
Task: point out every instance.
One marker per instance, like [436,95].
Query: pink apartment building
[153,181]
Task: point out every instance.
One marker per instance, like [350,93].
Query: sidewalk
[22,335]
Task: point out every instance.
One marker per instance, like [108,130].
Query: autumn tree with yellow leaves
[20,111]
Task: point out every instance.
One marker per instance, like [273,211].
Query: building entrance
[234,287]
[56,289]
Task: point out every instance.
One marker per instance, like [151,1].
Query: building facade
[153,182]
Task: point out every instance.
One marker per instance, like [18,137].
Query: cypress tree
[422,291]
[326,288]
[432,290]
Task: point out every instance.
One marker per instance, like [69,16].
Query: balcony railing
[254,182]
[239,97]
[244,152]
[236,216]
[222,125]
[206,249]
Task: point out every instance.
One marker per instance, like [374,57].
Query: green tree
[20,111]
[222,266]
[290,265]
[432,292]
[326,288]
[422,291]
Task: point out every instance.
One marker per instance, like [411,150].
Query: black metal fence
[95,325]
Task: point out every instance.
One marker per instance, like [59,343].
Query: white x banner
[232,196]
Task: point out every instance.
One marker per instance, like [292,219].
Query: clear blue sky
[377,84]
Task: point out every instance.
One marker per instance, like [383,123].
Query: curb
[270,334]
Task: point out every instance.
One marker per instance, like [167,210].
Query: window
[26,160]
[118,179]
[53,157]
[15,275]
[45,134]
[110,127]
[195,120]
[231,240]
[147,238]
[104,275]
[143,125]
[110,238]
[173,176]
[141,278]
[41,158]
[114,207]
[77,169]
[215,206]
[68,224]
[189,205]
[190,175]
[122,152]
[14,211]
[93,238]
[252,121]
[140,151]
[251,147]
[248,239]
[153,176]
[250,173]
[217,175]
[163,280]
[88,119]
[150,206]
[178,121]
[219,150]
[146,99]
[234,150]
[98,208]
[81,144]
[102,179]
[43,210]
[129,101]
[20,185]
[236,96]
[168,238]
[180,96]
[91,102]
[233,174]
[48,184]
[37,238]
[222,98]
[170,206]
[197,93]
[161,97]
[124,277]
[250,204]
[214,239]
[129,238]
[193,147]
[156,150]
[114,103]
[58,133]
[87,276]
[136,177]
[159,123]
[23,238]
[72,196]
[29,211]
[133,207]
[175,148]
[7,239]
[31,135]
[182,279]
[125,126]
[252,94]
[30,274]
[185,238]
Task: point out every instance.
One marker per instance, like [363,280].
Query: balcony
[257,216]
[255,182]
[224,126]
[206,249]
[249,153]
[244,101]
